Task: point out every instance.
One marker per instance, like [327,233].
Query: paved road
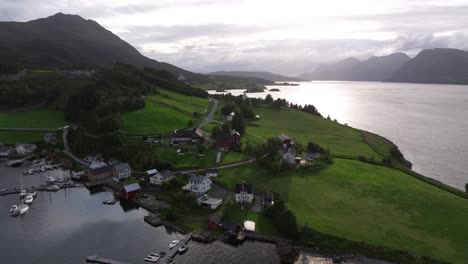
[210,114]
[67,149]
[240,163]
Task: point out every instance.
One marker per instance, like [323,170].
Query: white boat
[153,257]
[15,163]
[173,243]
[23,209]
[29,199]
[53,188]
[183,248]
[33,193]
[23,193]
[51,179]
[13,208]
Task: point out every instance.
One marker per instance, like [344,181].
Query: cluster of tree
[325,154]
[284,220]
[308,108]
[26,92]
[10,66]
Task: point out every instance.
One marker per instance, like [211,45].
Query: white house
[163,176]
[289,155]
[25,148]
[244,193]
[211,172]
[198,184]
[230,116]
[121,171]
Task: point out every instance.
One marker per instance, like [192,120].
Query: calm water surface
[428,122]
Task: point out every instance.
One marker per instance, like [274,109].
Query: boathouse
[214,221]
[129,191]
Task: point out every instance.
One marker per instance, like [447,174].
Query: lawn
[263,224]
[154,119]
[12,137]
[39,118]
[304,127]
[186,103]
[370,203]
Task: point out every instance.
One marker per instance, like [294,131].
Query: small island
[255,89]
[286,84]
[274,90]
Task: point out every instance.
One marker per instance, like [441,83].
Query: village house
[50,137]
[244,193]
[211,172]
[267,199]
[99,173]
[223,144]
[212,203]
[186,136]
[25,148]
[198,184]
[214,221]
[129,191]
[230,227]
[159,177]
[230,116]
[121,172]
[288,150]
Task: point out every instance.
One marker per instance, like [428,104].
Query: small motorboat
[153,257]
[173,243]
[53,188]
[50,179]
[23,209]
[14,208]
[183,248]
[170,261]
[29,199]
[15,163]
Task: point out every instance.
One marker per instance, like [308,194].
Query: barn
[129,191]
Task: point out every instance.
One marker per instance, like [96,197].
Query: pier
[42,188]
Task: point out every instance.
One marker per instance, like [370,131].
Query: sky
[288,37]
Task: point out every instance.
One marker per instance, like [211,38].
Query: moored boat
[173,243]
[183,248]
[23,209]
[53,188]
[29,199]
[15,163]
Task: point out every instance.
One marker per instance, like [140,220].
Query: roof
[152,171]
[187,133]
[100,170]
[283,137]
[228,225]
[122,167]
[197,178]
[249,225]
[212,170]
[216,218]
[5,148]
[132,187]
[166,174]
[244,187]
[234,132]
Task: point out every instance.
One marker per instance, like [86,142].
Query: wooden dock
[42,188]
[175,250]
[102,260]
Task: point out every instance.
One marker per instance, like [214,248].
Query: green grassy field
[340,139]
[370,203]
[39,118]
[154,119]
[183,102]
[263,225]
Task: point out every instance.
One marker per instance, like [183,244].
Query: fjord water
[68,225]
[428,122]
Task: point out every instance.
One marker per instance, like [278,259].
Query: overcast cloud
[289,37]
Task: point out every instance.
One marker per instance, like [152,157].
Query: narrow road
[210,114]
[67,149]
[237,164]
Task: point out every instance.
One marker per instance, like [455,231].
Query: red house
[129,191]
[223,144]
[214,221]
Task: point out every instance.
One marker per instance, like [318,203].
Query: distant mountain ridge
[444,66]
[68,40]
[257,74]
[352,69]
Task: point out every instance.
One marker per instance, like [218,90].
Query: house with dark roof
[182,136]
[230,227]
[285,140]
[244,193]
[121,172]
[214,221]
[198,184]
[129,191]
[100,173]
[225,143]
[163,176]
[211,172]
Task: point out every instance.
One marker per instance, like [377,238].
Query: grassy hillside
[303,127]
[370,203]
[186,103]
